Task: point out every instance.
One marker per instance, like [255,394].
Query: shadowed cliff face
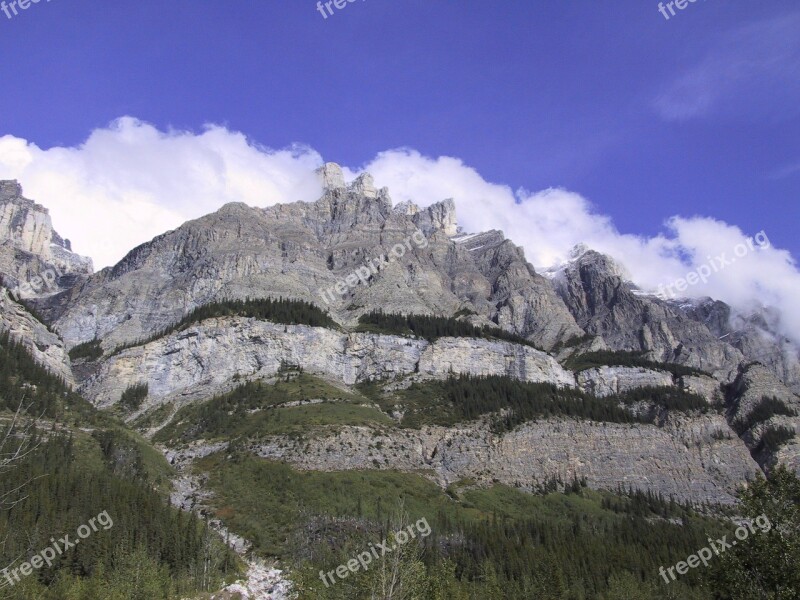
[604,304]
[755,335]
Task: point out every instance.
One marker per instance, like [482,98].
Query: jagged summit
[31,249]
[10,188]
[303,249]
[332,179]
[331,176]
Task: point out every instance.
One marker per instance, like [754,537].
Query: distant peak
[10,188]
[364,185]
[578,250]
[331,176]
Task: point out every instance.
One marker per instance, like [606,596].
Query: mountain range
[380,310]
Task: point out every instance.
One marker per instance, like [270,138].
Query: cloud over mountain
[129,182]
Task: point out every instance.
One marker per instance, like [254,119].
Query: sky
[664,142]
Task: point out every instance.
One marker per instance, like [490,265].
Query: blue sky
[645,118]
[531,94]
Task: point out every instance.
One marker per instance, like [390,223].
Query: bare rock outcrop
[45,346]
[610,381]
[208,356]
[694,459]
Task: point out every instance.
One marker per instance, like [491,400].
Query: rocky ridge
[176,365]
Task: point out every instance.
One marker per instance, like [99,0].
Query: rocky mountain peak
[364,185]
[10,189]
[24,223]
[34,259]
[596,263]
[331,176]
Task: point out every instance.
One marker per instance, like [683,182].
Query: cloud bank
[130,182]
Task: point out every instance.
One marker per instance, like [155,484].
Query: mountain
[351,335]
[31,248]
[302,251]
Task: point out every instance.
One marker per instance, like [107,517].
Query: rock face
[24,223]
[605,305]
[693,458]
[755,336]
[45,346]
[208,356]
[754,384]
[302,251]
[351,252]
[608,381]
[34,259]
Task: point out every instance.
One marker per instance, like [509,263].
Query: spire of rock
[331,176]
[364,185]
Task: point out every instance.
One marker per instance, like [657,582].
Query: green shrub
[88,350]
[432,328]
[133,396]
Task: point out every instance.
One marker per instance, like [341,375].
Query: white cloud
[548,224]
[130,182]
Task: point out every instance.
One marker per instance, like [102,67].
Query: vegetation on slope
[767,564]
[485,543]
[91,350]
[283,311]
[774,437]
[432,328]
[254,409]
[466,398]
[24,382]
[763,411]
[64,476]
[608,358]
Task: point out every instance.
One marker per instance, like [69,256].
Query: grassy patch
[254,409]
[267,501]
[154,417]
